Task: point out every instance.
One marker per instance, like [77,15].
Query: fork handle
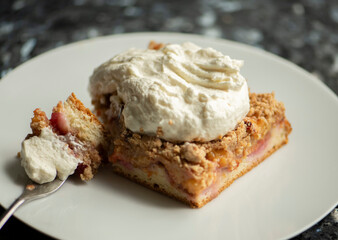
[10,211]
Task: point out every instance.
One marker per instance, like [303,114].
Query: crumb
[159,132]
[155,46]
[30,187]
[192,153]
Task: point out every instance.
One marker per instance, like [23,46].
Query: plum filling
[118,157]
[261,145]
[59,123]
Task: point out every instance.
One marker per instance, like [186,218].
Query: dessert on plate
[177,118]
[72,140]
[182,120]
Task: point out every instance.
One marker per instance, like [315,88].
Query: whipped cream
[44,157]
[181,92]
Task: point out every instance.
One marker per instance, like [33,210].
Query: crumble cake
[182,120]
[72,140]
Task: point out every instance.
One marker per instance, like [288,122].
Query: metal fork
[32,191]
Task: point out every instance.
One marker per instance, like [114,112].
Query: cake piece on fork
[72,140]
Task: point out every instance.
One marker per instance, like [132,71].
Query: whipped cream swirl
[181,92]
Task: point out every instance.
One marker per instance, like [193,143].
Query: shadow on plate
[15,171]
[126,188]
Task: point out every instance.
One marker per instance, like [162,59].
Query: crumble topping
[159,132]
[39,121]
[192,153]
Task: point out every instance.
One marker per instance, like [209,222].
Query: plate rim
[251,49]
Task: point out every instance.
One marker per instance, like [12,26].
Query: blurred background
[305,32]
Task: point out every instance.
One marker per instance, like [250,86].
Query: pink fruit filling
[59,123]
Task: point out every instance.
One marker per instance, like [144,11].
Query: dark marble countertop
[304,32]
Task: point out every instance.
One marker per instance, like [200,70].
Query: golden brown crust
[76,104]
[73,101]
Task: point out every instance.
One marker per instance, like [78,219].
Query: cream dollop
[181,92]
[44,157]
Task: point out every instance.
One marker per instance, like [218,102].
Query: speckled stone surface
[304,32]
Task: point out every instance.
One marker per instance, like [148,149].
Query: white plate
[283,196]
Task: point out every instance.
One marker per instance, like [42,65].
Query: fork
[31,192]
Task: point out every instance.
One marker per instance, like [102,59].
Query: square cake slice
[182,119]
[72,140]
[195,172]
